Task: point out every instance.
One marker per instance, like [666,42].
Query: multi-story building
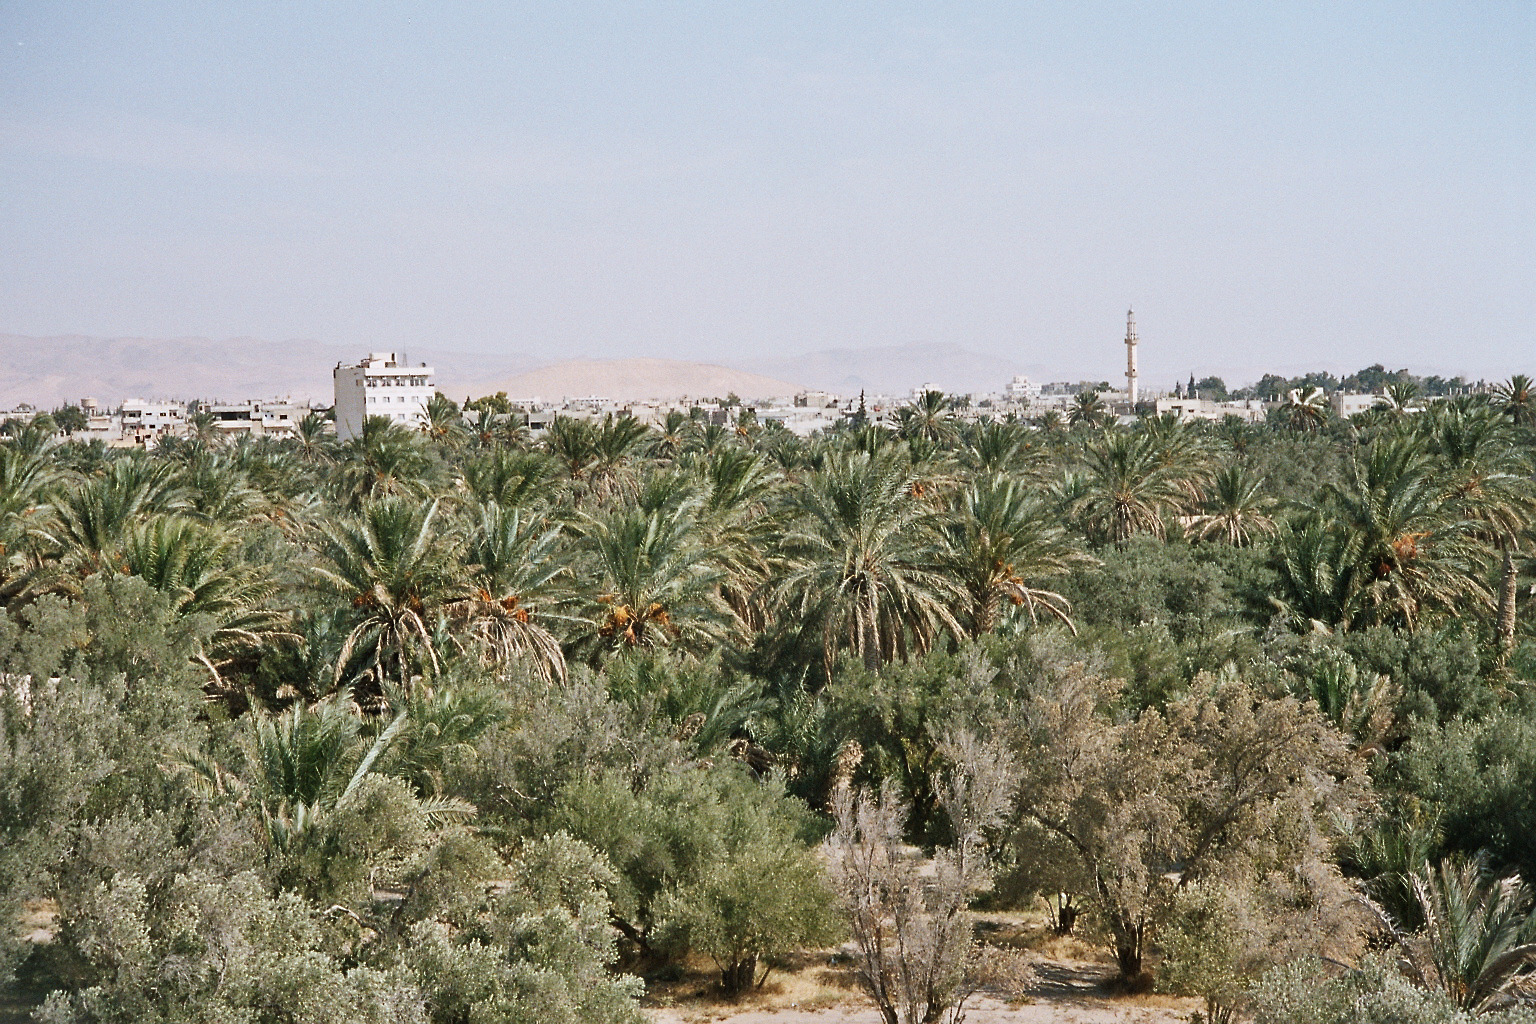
[380,386]
[1023,390]
[276,418]
[145,422]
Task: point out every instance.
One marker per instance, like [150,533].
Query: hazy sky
[1270,184]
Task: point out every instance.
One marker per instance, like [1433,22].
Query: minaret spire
[1130,357]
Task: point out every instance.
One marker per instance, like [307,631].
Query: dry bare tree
[916,952]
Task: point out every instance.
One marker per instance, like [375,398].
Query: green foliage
[1301,993]
[419,726]
[1479,777]
[210,948]
[679,847]
[761,897]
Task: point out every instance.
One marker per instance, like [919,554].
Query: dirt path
[1067,1010]
[1063,992]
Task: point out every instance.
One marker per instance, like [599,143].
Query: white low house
[1346,404]
[270,418]
[1250,410]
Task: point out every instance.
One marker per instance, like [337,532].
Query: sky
[1272,186]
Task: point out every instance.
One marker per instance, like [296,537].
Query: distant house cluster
[385,384]
[141,422]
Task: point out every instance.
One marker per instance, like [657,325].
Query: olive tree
[1223,783]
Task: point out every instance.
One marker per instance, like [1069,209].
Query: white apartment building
[380,386]
[145,422]
[1022,389]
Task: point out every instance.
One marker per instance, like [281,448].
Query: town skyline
[45,372]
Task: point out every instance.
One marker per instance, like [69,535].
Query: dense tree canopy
[468,724]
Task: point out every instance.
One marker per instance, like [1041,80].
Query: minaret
[1130,356]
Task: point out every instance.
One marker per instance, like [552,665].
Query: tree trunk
[1128,934]
[736,978]
[869,632]
[1507,605]
[986,611]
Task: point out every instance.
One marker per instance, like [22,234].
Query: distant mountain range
[52,371]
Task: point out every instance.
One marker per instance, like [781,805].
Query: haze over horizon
[1306,187]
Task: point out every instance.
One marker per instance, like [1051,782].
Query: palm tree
[735,521]
[573,443]
[1317,567]
[658,582]
[492,429]
[510,479]
[1186,448]
[1517,398]
[676,432]
[1305,409]
[92,519]
[308,762]
[216,490]
[314,439]
[387,458]
[198,566]
[999,542]
[748,427]
[992,446]
[1128,487]
[1087,408]
[617,440]
[203,427]
[1235,508]
[445,422]
[1475,945]
[862,562]
[1411,548]
[1358,703]
[390,566]
[27,481]
[712,437]
[1487,479]
[927,417]
[1400,398]
[1049,422]
[516,574]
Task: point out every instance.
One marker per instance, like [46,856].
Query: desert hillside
[896,369]
[638,379]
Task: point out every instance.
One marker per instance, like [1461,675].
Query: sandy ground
[983,1011]
[1063,990]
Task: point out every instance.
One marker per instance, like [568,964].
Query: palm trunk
[986,611]
[871,630]
[1506,625]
